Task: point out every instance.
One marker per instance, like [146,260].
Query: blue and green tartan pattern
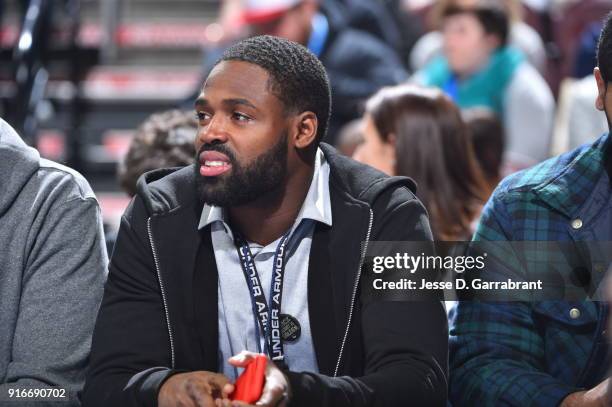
[530,354]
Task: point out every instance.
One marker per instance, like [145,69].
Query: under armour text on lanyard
[267,314]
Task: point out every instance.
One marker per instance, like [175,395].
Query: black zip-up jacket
[159,312]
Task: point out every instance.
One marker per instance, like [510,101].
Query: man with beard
[258,248]
[544,353]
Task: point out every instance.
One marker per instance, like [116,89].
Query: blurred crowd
[455,94]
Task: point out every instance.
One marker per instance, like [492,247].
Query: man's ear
[306,128]
[601,90]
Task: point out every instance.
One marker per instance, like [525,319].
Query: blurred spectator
[478,69]
[521,35]
[550,6]
[164,140]
[539,5]
[52,271]
[585,123]
[372,17]
[389,20]
[418,132]
[350,137]
[229,23]
[487,133]
[577,122]
[586,55]
[357,62]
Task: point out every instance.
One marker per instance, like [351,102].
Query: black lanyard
[268,316]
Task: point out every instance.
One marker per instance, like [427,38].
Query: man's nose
[214,132]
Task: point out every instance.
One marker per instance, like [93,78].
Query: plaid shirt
[535,354]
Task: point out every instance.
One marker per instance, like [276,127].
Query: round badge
[290,328]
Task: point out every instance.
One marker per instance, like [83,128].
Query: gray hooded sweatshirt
[52,270]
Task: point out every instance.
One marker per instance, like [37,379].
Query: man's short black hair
[298,77]
[604,49]
[492,17]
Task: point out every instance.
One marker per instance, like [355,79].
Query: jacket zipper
[163,292]
[355,288]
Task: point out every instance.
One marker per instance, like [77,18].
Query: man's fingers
[227,390]
[185,401]
[194,389]
[225,403]
[239,404]
[217,382]
[272,398]
[273,393]
[276,390]
[242,359]
[200,392]
[206,388]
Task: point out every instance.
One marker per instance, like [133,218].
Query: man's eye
[241,117]
[202,116]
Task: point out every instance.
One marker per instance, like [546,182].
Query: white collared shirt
[237,324]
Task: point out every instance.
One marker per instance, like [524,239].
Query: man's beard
[243,184]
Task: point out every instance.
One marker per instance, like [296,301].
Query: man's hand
[598,396]
[276,391]
[194,389]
